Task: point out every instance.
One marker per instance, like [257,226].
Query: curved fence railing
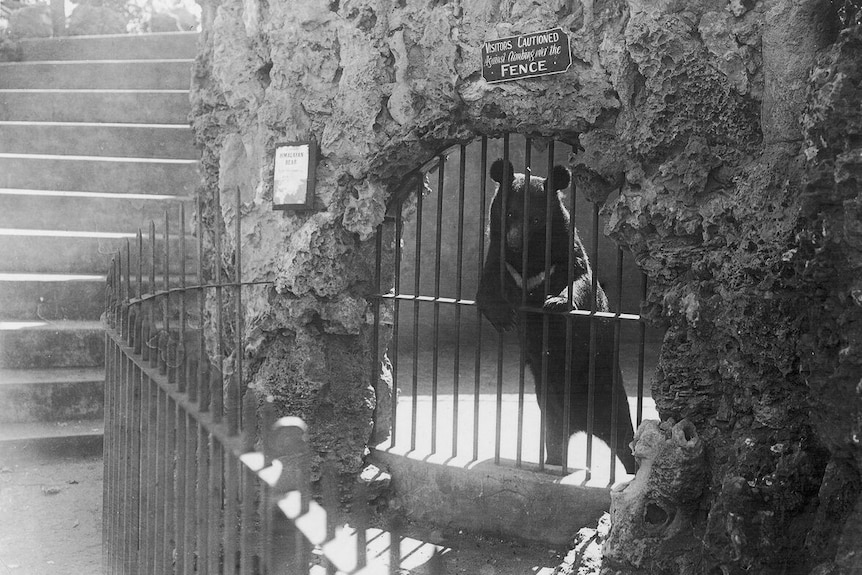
[198,476]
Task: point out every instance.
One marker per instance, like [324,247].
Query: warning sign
[527,56]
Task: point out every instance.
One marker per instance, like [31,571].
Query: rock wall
[739,173]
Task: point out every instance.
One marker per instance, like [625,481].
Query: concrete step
[50,210]
[99,174]
[52,297]
[59,253]
[47,344]
[118,47]
[98,139]
[29,395]
[55,297]
[172,74]
[130,106]
[47,440]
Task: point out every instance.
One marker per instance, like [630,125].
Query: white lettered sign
[526,56]
[293,177]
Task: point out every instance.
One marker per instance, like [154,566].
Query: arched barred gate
[464,391]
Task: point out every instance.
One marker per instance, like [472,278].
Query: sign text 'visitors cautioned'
[527,56]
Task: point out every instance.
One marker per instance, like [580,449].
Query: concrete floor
[421,438]
[51,517]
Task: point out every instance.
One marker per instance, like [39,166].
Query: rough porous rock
[734,131]
[32,21]
[652,517]
[92,20]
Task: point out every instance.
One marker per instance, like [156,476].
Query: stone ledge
[499,500]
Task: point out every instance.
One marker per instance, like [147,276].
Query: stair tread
[75,125]
[100,195]
[47,429]
[113,45]
[118,159]
[99,61]
[50,277]
[50,375]
[100,91]
[58,325]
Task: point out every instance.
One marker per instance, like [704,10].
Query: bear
[546,282]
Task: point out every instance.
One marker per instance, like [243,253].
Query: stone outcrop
[733,130]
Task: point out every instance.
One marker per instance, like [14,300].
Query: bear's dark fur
[500,296]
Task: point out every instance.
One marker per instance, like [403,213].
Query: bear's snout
[514,238]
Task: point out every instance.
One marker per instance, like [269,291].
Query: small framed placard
[293,176]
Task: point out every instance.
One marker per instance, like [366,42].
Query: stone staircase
[94,143]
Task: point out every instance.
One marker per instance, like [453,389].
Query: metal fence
[198,478]
[463,385]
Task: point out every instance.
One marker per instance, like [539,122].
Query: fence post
[285,441]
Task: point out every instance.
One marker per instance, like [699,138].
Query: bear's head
[530,216]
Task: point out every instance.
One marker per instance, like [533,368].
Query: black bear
[546,282]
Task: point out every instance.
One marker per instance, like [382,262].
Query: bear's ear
[497,171]
[561,176]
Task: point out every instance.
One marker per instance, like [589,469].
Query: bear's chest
[535,284]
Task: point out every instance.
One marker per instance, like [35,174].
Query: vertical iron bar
[201,385]
[231,513]
[127,294]
[160,478]
[216,494]
[216,498]
[120,426]
[375,337]
[181,349]
[139,317]
[164,358]
[543,407]
[477,375]
[189,533]
[503,194]
[110,390]
[641,353]
[127,414]
[591,388]
[435,346]
[152,342]
[396,304]
[134,518]
[617,378]
[146,464]
[182,466]
[217,380]
[416,290]
[250,530]
[152,475]
[232,526]
[459,264]
[203,489]
[525,246]
[106,453]
[238,309]
[169,440]
[107,512]
[570,280]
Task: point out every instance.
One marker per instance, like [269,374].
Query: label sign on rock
[527,56]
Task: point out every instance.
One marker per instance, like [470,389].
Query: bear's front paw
[557,304]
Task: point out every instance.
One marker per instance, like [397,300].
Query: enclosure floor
[51,517]
[480,413]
